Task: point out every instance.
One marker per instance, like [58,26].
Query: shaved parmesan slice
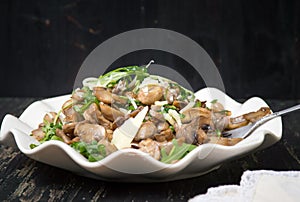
[133,103]
[176,116]
[160,103]
[169,118]
[123,136]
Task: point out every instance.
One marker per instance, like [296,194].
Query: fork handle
[288,110]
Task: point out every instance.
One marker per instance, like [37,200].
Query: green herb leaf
[224,112]
[218,132]
[89,98]
[177,152]
[172,128]
[131,107]
[111,78]
[50,130]
[198,104]
[32,146]
[55,137]
[92,151]
[167,107]
[214,101]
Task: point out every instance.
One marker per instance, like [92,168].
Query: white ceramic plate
[132,165]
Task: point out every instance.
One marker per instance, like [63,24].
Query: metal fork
[245,131]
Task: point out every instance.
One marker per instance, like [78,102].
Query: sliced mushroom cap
[70,114]
[77,96]
[92,113]
[62,135]
[151,147]
[49,117]
[157,115]
[110,113]
[159,121]
[237,122]
[107,97]
[118,99]
[189,131]
[135,112]
[104,122]
[103,95]
[224,140]
[38,134]
[109,148]
[202,114]
[201,136]
[89,132]
[244,119]
[171,94]
[179,104]
[147,130]
[193,113]
[165,135]
[162,126]
[69,128]
[149,94]
[254,116]
[219,121]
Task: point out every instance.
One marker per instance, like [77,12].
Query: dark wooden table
[27,180]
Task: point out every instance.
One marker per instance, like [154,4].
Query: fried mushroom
[89,132]
[110,113]
[147,130]
[151,147]
[149,94]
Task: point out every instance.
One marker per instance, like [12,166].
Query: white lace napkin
[258,186]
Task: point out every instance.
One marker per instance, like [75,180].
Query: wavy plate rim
[161,171]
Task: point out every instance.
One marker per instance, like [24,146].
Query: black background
[254,44]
